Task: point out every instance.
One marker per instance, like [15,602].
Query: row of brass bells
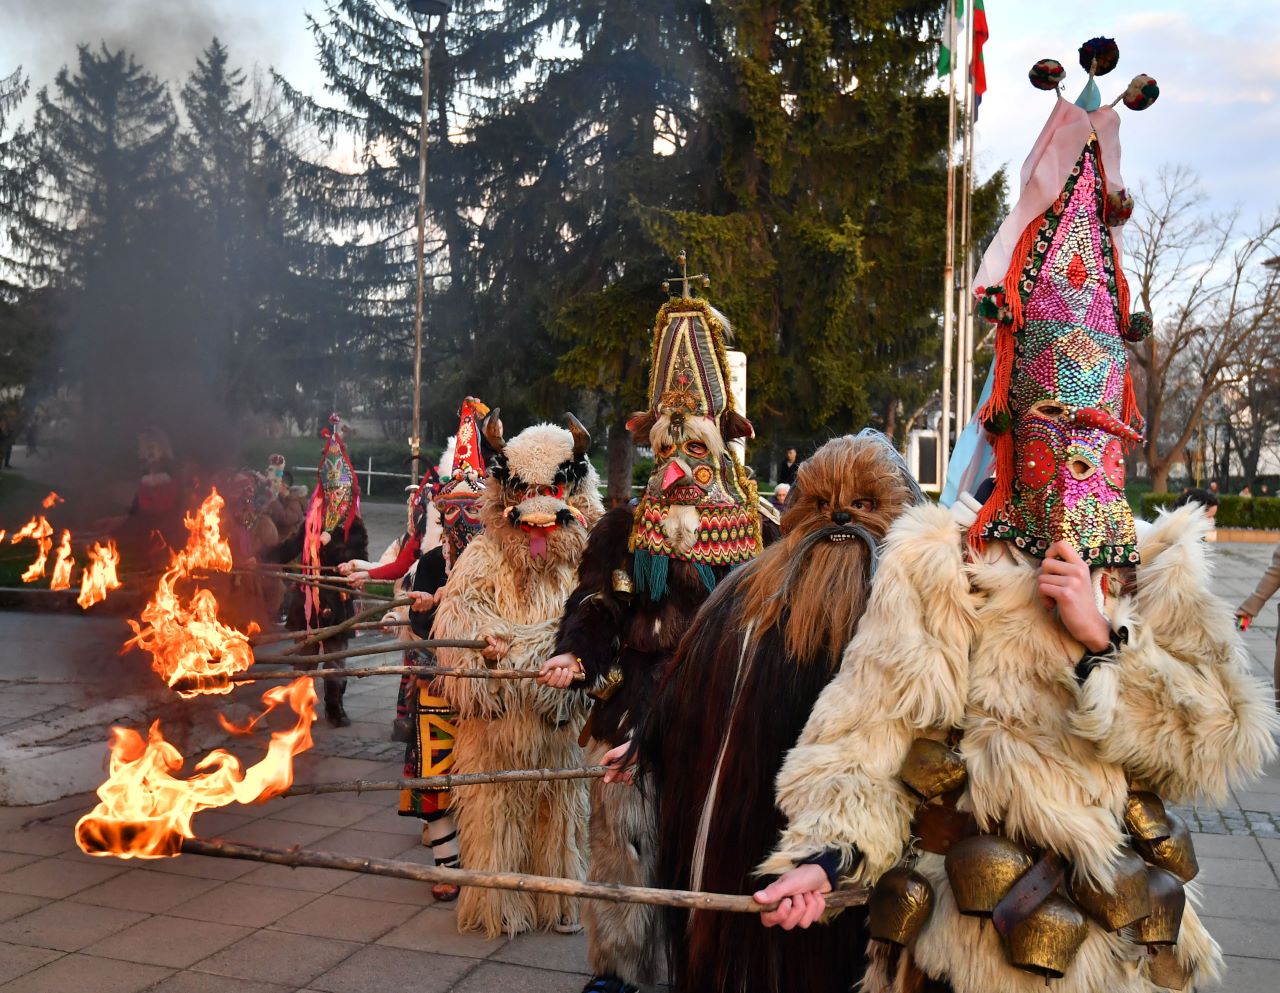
[932,768]
[1145,817]
[982,869]
[899,906]
[1164,969]
[1046,940]
[1129,899]
[1175,852]
[1168,901]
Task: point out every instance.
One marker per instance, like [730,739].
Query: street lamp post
[423,11]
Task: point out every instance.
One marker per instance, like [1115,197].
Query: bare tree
[1203,279]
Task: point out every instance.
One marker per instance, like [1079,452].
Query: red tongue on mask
[537,544]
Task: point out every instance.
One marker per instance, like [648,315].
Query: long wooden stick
[613,892]
[447,781]
[377,649]
[317,635]
[303,580]
[428,671]
[276,637]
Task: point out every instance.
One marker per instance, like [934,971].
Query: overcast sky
[1219,109]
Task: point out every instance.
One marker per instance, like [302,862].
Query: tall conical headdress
[468,472]
[1061,410]
[337,487]
[699,504]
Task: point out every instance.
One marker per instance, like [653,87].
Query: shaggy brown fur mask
[817,577]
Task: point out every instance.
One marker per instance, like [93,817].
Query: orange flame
[52,500]
[62,565]
[145,810]
[187,642]
[39,531]
[99,576]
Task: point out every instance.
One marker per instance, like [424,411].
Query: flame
[145,810]
[99,576]
[187,642]
[39,531]
[62,565]
[52,500]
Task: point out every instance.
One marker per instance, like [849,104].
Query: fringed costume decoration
[745,677]
[643,577]
[971,757]
[511,584]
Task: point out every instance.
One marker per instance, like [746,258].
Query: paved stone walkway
[69,922]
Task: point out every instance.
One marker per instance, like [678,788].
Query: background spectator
[787,467]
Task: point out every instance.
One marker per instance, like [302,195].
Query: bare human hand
[1065,583]
[799,894]
[358,579]
[346,568]
[424,603]
[495,648]
[558,671]
[621,761]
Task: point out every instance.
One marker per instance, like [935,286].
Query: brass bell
[1164,969]
[982,869]
[899,905]
[1046,940]
[1127,902]
[1177,852]
[931,768]
[1168,901]
[1145,817]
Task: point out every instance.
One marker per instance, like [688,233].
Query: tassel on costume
[651,574]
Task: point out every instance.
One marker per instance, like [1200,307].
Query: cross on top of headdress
[684,279]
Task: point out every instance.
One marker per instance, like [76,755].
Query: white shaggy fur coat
[496,588]
[949,643]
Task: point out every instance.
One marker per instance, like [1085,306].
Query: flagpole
[964,357]
[949,267]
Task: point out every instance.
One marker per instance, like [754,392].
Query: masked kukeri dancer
[643,576]
[1036,680]
[510,587]
[744,681]
[332,533]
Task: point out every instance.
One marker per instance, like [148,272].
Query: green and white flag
[950,38]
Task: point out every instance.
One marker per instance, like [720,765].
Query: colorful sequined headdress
[337,487]
[1061,412]
[457,495]
[699,505]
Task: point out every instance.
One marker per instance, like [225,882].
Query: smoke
[164,35]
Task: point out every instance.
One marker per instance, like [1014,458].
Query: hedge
[1262,513]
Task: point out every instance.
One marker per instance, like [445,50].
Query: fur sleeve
[593,617]
[1179,709]
[904,674]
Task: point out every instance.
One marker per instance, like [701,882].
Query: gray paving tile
[18,960]
[390,820]
[1227,846]
[1241,903]
[380,969]
[1235,872]
[168,941]
[436,931]
[248,906]
[204,866]
[280,834]
[55,878]
[324,811]
[12,860]
[303,878]
[518,979]
[377,843]
[408,891]
[1247,976]
[16,904]
[88,973]
[560,952]
[204,982]
[37,839]
[154,892]
[333,916]
[278,957]
[66,925]
[1250,939]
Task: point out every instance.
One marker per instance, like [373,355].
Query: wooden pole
[446,782]
[427,671]
[949,272]
[964,360]
[613,892]
[318,635]
[276,637]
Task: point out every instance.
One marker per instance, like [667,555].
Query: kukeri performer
[510,588]
[332,533]
[744,680]
[642,578]
[1036,680]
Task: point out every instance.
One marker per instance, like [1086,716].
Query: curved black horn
[491,428]
[581,436]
